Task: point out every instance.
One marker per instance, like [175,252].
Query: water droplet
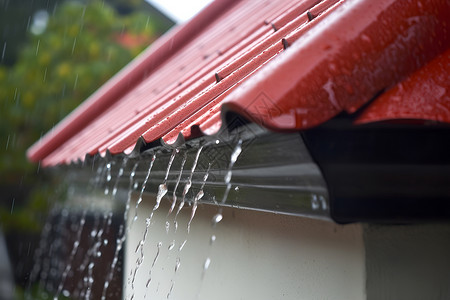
[66,293]
[143,187]
[167,227]
[314,202]
[236,152]
[182,245]
[189,182]
[171,246]
[324,202]
[236,189]
[217,218]
[177,264]
[212,240]
[108,172]
[206,264]
[162,190]
[174,196]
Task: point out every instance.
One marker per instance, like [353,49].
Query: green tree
[83,45]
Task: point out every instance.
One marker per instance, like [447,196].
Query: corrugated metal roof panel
[423,95]
[339,55]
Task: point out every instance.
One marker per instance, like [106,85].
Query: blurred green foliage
[82,46]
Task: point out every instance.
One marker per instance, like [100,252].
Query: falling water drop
[162,191]
[7,142]
[171,246]
[206,264]
[182,245]
[12,205]
[324,202]
[177,264]
[198,197]
[119,175]
[174,196]
[73,45]
[217,218]
[4,51]
[108,172]
[121,234]
[37,46]
[189,182]
[314,202]
[72,255]
[143,189]
[159,245]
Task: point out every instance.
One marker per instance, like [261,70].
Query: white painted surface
[255,256]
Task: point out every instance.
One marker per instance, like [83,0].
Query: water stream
[96,240]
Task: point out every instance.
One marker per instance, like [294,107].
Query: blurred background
[53,55]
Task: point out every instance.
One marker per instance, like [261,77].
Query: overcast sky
[179,10]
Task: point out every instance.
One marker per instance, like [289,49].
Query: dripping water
[151,268]
[174,195]
[75,246]
[143,189]
[162,188]
[198,197]
[189,182]
[234,156]
[219,216]
[121,234]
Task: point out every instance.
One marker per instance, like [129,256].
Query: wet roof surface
[286,65]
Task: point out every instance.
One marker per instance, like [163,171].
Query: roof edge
[132,74]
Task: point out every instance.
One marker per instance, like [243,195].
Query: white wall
[256,255]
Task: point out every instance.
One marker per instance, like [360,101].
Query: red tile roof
[287,65]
